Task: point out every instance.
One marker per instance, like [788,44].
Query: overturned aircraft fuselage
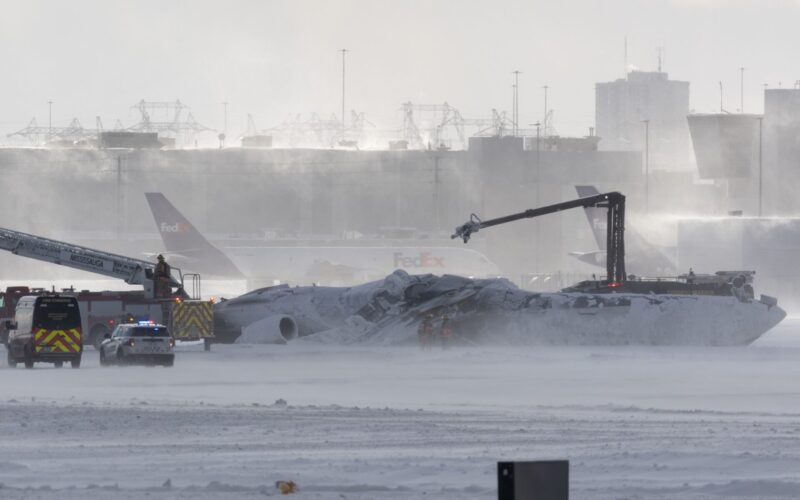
[388,312]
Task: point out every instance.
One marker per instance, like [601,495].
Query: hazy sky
[273,58]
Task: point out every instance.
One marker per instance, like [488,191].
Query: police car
[143,342]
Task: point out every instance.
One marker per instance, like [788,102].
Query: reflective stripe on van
[58,341]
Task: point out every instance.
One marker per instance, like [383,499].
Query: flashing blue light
[146,323]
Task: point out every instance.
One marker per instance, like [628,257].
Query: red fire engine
[162,299]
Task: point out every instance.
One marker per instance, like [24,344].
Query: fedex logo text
[173,228]
[424,259]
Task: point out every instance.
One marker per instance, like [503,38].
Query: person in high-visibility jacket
[445,332]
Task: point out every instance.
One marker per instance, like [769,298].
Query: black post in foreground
[545,480]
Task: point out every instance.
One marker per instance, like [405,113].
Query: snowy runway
[400,423]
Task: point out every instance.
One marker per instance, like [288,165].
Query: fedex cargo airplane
[191,251]
[642,258]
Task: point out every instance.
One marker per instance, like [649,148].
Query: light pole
[646,165]
[49,120]
[120,203]
[741,90]
[538,158]
[516,101]
[225,127]
[544,120]
[538,192]
[344,52]
[436,194]
[513,111]
[760,164]
[222,136]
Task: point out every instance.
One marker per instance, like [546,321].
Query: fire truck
[186,315]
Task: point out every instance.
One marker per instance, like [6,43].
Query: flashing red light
[614,284]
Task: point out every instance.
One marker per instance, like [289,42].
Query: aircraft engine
[277,329]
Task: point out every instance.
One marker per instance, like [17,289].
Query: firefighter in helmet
[162,277]
[425,332]
[445,332]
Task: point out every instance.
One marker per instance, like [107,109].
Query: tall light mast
[344,53]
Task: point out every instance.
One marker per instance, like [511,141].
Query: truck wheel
[76,362]
[59,364]
[206,344]
[168,362]
[103,361]
[12,363]
[28,357]
[120,356]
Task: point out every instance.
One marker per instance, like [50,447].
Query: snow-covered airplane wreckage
[705,310]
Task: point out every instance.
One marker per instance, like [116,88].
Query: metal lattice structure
[431,125]
[310,131]
[37,134]
[171,119]
[441,126]
[498,125]
[313,131]
[251,126]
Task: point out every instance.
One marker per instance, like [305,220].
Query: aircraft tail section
[643,258]
[182,240]
[596,216]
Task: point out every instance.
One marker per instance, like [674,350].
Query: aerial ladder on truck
[184,313]
[613,202]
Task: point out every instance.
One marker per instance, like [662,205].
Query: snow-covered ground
[365,423]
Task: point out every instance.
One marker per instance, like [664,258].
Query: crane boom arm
[614,202]
[132,271]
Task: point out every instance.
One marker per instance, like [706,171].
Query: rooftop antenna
[626,58]
[660,52]
[721,109]
[741,90]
